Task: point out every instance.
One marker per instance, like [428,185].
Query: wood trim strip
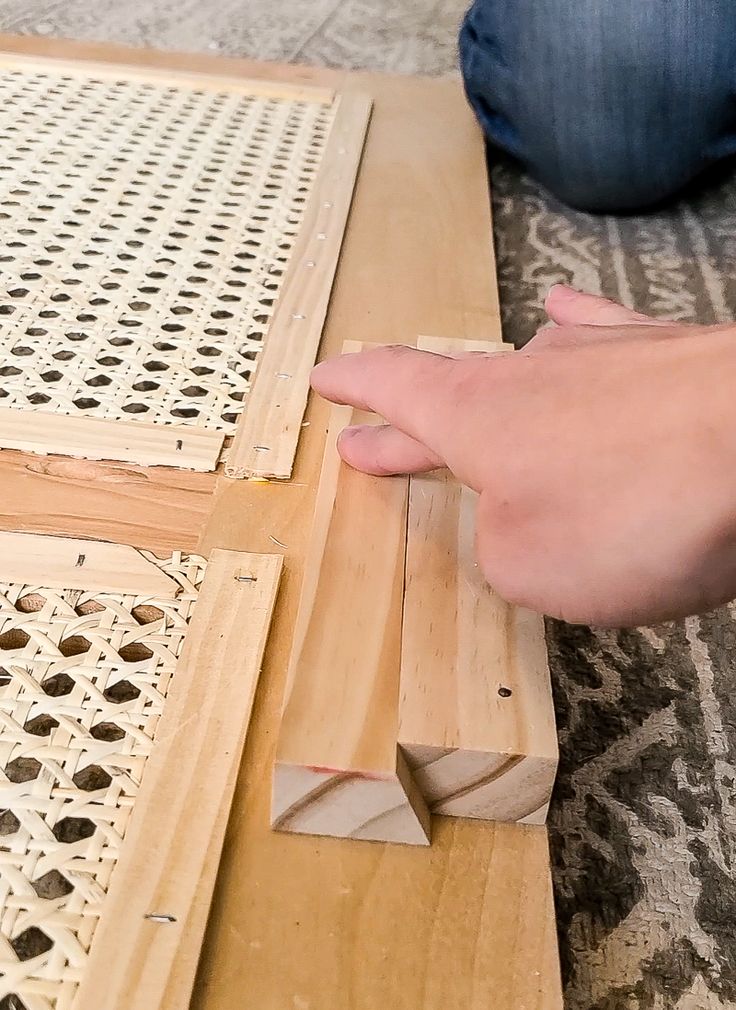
[179,445]
[169,78]
[266,440]
[89,565]
[476,718]
[166,864]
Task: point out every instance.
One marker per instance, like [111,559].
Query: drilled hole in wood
[505,692]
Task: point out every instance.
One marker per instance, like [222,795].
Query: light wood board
[468,923]
[97,438]
[476,717]
[166,866]
[337,771]
[267,437]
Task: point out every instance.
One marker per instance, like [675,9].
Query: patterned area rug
[644,820]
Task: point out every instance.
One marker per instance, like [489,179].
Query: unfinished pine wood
[266,441]
[91,565]
[336,769]
[468,923]
[98,438]
[476,717]
[156,508]
[165,868]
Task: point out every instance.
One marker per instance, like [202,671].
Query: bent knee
[599,102]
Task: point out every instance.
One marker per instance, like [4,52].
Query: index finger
[413,390]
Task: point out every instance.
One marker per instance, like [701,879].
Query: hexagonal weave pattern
[146,229]
[83,681]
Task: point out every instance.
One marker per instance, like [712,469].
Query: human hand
[604,454]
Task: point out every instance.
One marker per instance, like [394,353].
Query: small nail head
[159,917]
[298,315]
[505,692]
[261,448]
[321,236]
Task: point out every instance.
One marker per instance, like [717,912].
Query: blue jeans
[611,104]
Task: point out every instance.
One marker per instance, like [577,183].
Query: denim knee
[612,104]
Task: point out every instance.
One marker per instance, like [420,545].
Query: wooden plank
[63,563]
[152,75]
[157,508]
[160,877]
[180,445]
[266,441]
[476,719]
[336,769]
[467,923]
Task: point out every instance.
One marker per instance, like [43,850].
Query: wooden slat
[180,445]
[63,563]
[476,718]
[336,767]
[266,440]
[157,508]
[169,78]
[166,865]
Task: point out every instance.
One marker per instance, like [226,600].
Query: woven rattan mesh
[145,233]
[83,680]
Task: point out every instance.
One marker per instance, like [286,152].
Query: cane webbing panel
[145,233]
[83,680]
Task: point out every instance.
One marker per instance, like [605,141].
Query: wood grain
[336,769]
[468,923]
[166,867]
[266,441]
[476,717]
[180,445]
[157,508]
[65,563]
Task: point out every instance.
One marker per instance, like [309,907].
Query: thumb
[568,307]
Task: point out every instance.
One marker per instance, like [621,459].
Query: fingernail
[347,433]
[562,290]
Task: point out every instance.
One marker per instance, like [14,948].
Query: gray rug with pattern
[643,825]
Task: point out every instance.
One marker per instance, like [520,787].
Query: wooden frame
[158,899]
[469,922]
[268,429]
[266,442]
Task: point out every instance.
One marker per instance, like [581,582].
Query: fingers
[568,307]
[382,450]
[413,390]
